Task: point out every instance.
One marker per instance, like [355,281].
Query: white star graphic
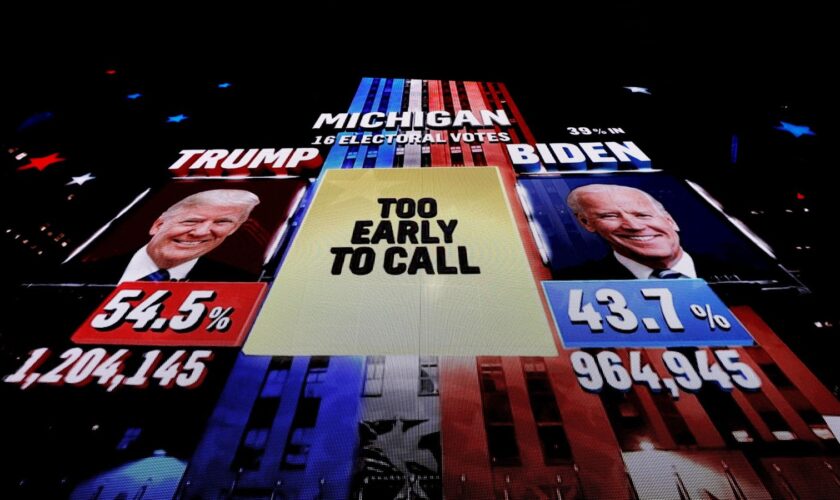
[641,90]
[81,179]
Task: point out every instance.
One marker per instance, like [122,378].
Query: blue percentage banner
[642,313]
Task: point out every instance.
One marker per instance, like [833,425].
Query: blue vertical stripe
[363,149]
[733,151]
[335,158]
[387,152]
[333,442]
[358,104]
[377,99]
[380,88]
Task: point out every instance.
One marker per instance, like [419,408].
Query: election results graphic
[413,296]
[401,261]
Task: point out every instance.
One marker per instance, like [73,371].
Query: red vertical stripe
[440,152]
[456,105]
[810,386]
[696,418]
[593,444]
[529,137]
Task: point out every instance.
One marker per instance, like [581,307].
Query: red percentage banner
[174,314]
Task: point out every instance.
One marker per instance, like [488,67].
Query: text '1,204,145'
[80,367]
